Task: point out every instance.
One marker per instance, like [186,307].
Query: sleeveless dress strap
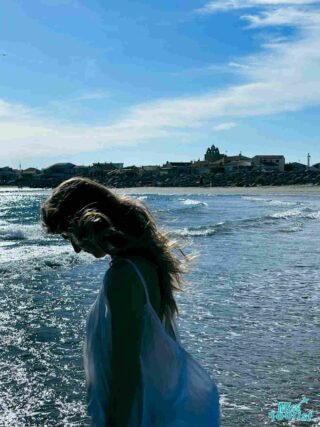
[141,278]
[169,326]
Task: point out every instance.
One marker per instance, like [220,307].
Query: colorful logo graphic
[289,411]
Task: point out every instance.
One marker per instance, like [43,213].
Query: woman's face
[85,244]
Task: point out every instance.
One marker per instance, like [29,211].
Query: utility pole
[309,161]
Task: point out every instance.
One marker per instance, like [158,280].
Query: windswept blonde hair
[121,225]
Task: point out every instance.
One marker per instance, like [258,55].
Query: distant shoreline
[282,189]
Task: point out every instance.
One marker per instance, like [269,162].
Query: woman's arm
[125,294]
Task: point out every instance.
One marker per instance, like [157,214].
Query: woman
[138,375]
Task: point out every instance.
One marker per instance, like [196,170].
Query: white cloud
[237,65]
[225,126]
[58,2]
[284,16]
[283,77]
[226,5]
[91,95]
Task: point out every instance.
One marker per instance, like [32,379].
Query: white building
[268,162]
[238,166]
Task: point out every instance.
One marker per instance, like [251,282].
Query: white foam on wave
[296,213]
[194,202]
[9,234]
[314,215]
[280,203]
[224,401]
[185,232]
[294,229]
[269,201]
[254,199]
[287,214]
[202,230]
[30,258]
[21,232]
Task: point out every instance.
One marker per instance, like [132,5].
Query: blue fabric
[173,391]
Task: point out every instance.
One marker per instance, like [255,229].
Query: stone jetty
[252,178]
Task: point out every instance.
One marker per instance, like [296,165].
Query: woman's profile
[137,372]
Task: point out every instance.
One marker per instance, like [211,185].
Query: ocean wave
[293,229]
[281,203]
[24,260]
[12,232]
[9,234]
[227,227]
[188,205]
[202,230]
[307,213]
[270,201]
[190,202]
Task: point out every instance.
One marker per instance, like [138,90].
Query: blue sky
[143,82]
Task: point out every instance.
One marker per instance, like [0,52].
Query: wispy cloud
[284,16]
[283,77]
[91,96]
[226,5]
[202,71]
[58,2]
[225,126]
[237,65]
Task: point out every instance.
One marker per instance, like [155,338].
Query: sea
[250,314]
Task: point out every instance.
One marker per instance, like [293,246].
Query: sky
[143,82]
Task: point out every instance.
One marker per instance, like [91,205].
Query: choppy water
[251,316]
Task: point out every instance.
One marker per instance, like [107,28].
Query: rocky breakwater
[186,179]
[152,179]
[258,178]
[234,179]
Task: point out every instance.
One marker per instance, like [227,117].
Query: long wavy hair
[122,226]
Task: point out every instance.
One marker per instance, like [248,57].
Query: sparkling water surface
[250,315]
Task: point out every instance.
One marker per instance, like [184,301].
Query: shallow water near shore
[250,316]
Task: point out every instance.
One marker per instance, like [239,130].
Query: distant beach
[281,189]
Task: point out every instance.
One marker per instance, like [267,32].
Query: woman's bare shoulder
[123,287]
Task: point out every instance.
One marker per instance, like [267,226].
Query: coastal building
[231,163]
[237,166]
[166,171]
[8,174]
[150,168]
[239,158]
[201,167]
[178,167]
[217,166]
[177,164]
[268,162]
[130,170]
[30,173]
[60,170]
[117,165]
[100,170]
[81,170]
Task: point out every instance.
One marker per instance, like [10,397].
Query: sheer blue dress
[173,390]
